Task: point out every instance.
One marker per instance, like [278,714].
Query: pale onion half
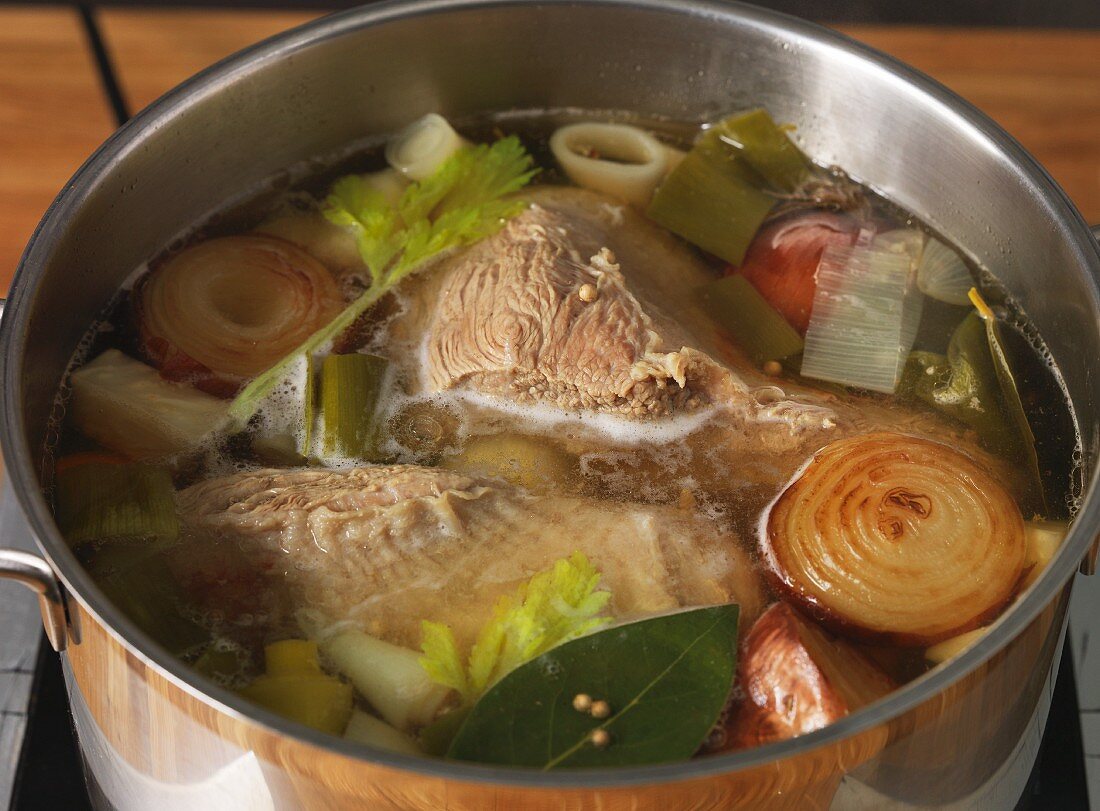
[235,304]
[893,538]
[422,147]
[616,159]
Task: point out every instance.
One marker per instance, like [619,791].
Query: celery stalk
[141,584]
[765,146]
[97,500]
[309,406]
[713,199]
[467,198]
[350,388]
[364,728]
[738,308]
[388,676]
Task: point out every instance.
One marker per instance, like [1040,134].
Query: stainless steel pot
[156,735]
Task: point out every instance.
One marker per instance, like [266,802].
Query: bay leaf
[666,680]
[974,384]
[1013,405]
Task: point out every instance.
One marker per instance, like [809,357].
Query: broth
[449,462]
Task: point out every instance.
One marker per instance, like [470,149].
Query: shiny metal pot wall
[154,735]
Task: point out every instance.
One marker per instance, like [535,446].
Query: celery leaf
[461,203]
[553,607]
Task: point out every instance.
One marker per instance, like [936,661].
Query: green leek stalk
[116,500]
[765,146]
[740,310]
[350,388]
[713,199]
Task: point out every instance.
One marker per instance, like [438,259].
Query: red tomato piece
[782,260]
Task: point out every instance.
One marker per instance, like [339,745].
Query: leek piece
[865,316]
[421,148]
[390,183]
[295,687]
[128,407]
[365,728]
[713,199]
[740,310]
[220,664]
[907,241]
[350,388]
[279,449]
[766,147]
[388,676]
[142,586]
[524,461]
[616,159]
[102,499]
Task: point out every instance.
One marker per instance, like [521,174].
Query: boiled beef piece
[384,547]
[584,304]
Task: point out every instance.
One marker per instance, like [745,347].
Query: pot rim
[18,455]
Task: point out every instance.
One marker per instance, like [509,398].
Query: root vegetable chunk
[797,678]
[124,404]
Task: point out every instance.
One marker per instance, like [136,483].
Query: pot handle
[35,573]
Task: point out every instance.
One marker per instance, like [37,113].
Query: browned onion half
[233,306]
[896,539]
[797,678]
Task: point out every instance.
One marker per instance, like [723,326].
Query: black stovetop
[50,775]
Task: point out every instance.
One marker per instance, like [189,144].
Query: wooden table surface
[1042,86]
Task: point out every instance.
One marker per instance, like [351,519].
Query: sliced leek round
[422,147]
[616,159]
[234,305]
[895,538]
